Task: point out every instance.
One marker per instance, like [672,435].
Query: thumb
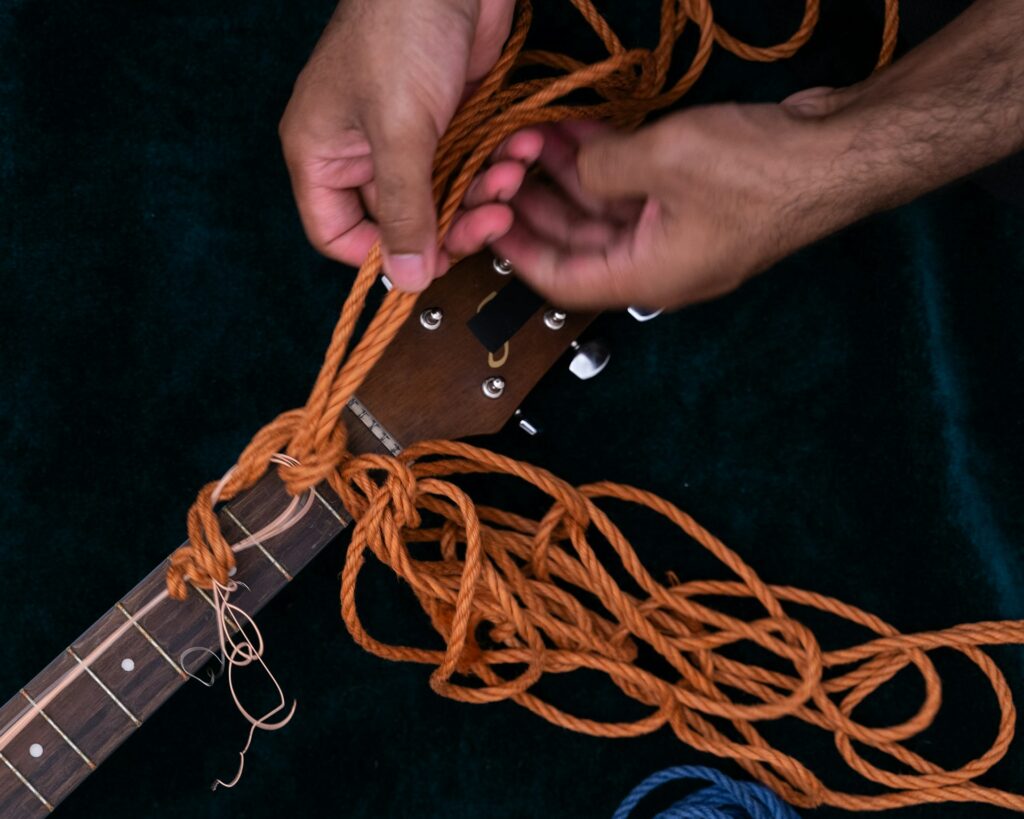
[616,165]
[402,162]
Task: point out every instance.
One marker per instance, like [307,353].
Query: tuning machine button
[643,314]
[588,359]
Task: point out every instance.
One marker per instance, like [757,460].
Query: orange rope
[510,577]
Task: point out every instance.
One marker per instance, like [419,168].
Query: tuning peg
[525,424]
[643,314]
[588,359]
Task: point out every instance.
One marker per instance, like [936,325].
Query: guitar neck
[101,688]
[475,345]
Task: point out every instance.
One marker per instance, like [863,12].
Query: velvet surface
[849,422]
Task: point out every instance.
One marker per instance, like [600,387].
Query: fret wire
[102,685]
[152,642]
[227,622]
[25,782]
[259,545]
[231,626]
[205,596]
[202,593]
[57,728]
[69,677]
[331,509]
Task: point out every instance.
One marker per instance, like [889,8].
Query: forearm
[951,106]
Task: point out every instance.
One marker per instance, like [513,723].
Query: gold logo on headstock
[493,362]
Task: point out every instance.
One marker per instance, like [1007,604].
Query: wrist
[868,149]
[945,110]
[823,185]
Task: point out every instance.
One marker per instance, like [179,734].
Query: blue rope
[723,798]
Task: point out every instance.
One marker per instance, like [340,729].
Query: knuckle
[319,240]
[399,221]
[404,232]
[286,130]
[400,121]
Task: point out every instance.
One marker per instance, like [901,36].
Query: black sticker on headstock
[503,315]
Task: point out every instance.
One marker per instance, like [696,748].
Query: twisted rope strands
[672,621]
[721,797]
[504,590]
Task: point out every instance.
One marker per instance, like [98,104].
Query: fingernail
[407,270]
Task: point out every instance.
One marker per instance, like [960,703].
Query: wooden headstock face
[430,383]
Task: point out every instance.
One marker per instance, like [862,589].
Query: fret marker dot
[128,664]
[36,750]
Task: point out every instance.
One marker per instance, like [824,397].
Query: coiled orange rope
[510,577]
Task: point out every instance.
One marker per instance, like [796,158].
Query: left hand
[361,128]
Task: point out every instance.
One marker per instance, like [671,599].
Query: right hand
[364,119]
[684,209]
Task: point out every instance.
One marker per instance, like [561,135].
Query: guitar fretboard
[103,686]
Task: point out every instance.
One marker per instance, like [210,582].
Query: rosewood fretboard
[102,706]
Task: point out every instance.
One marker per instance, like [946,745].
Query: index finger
[331,210]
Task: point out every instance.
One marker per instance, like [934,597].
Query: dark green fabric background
[850,422]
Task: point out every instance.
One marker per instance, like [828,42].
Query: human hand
[680,211]
[364,119]
[690,207]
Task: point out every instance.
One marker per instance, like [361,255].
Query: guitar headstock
[476,344]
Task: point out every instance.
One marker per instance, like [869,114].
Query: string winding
[506,592]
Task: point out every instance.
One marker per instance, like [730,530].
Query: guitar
[496,339]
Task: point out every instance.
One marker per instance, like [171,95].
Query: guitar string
[51,692]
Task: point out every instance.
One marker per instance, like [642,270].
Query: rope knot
[395,494]
[205,558]
[317,462]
